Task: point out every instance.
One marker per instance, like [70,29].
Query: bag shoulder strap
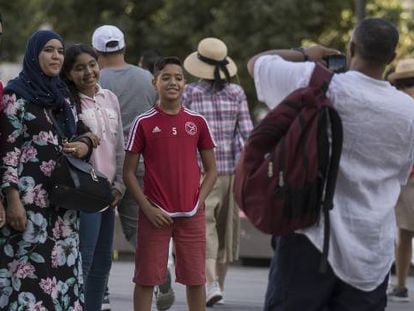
[56,124]
[321,77]
[65,139]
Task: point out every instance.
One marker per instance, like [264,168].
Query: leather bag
[76,185]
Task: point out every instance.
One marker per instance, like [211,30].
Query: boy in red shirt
[172,201]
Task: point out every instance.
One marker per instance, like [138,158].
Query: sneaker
[106,305]
[164,294]
[399,295]
[390,288]
[213,294]
[220,302]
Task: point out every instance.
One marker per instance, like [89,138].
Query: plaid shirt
[228,117]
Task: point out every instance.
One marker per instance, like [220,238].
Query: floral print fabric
[40,268]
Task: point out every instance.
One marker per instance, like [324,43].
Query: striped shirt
[228,117]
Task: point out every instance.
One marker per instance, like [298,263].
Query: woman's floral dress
[40,268]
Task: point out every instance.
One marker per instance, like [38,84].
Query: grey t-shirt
[133,86]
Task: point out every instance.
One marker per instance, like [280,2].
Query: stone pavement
[401,306]
[245,290]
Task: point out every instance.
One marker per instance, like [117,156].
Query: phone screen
[336,63]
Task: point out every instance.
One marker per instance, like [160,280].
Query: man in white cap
[136,94]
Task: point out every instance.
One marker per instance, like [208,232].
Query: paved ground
[244,291]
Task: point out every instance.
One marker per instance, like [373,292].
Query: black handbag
[76,185]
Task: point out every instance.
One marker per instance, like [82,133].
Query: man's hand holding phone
[333,59]
[336,62]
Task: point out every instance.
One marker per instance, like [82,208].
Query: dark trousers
[295,283]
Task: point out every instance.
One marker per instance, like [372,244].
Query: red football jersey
[169,145]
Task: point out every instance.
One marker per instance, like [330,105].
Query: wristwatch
[302,50]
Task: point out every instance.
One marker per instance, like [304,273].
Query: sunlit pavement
[245,289]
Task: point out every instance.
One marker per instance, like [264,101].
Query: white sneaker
[106,305]
[213,293]
[164,301]
[164,294]
[221,301]
[399,295]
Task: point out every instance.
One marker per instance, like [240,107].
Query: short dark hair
[164,61]
[121,51]
[404,83]
[149,58]
[1,19]
[375,40]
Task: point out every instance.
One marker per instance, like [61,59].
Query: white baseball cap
[108,38]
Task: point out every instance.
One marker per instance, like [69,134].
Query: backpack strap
[330,180]
[321,77]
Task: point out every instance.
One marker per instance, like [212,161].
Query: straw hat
[404,70]
[211,54]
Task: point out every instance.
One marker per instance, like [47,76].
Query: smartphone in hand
[336,62]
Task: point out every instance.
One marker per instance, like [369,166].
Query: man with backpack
[377,154]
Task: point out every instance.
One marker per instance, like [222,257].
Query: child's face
[170,82]
[84,73]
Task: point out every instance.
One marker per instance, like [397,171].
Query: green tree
[175,27]
[246,26]
[20,17]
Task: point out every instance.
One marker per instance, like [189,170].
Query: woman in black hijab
[40,265]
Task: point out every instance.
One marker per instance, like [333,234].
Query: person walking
[169,137]
[224,105]
[98,109]
[40,262]
[377,156]
[136,94]
[403,79]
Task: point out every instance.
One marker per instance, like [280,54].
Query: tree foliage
[20,17]
[175,27]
